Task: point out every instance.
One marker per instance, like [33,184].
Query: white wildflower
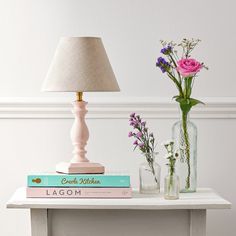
[168,142]
[168,155]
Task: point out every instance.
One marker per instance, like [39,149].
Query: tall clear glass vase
[184,134]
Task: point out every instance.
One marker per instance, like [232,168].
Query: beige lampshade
[80,64]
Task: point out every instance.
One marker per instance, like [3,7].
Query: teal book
[77,180]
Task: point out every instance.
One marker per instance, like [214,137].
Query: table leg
[197,222]
[39,222]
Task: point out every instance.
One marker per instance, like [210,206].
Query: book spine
[78,192]
[78,181]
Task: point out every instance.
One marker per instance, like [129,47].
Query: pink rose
[188,67]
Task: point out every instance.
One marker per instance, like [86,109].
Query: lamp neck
[79,96]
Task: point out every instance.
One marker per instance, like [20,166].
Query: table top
[204,198]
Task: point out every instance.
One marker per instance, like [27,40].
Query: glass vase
[171,187]
[184,134]
[149,176]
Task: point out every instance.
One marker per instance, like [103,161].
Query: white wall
[130,30]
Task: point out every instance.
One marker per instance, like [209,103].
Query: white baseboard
[114,108]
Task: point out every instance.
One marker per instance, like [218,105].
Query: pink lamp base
[80,168]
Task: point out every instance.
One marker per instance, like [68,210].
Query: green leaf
[179,99]
[175,97]
[185,104]
[194,102]
[185,107]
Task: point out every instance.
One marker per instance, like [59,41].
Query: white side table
[143,215]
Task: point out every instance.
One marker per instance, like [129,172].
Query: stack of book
[56,185]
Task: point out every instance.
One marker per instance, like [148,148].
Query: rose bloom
[188,67]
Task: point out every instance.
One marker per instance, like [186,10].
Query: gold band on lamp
[79,96]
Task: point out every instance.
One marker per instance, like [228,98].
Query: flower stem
[170,183]
[153,171]
[187,148]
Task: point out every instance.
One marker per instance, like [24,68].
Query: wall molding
[113,108]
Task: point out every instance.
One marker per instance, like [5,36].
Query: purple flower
[163,70]
[139,135]
[141,145]
[130,134]
[135,142]
[143,140]
[162,61]
[143,123]
[163,64]
[132,115]
[166,50]
[134,123]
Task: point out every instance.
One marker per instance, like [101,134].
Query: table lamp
[80,64]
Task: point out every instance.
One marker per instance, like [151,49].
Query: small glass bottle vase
[184,134]
[149,177]
[171,186]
